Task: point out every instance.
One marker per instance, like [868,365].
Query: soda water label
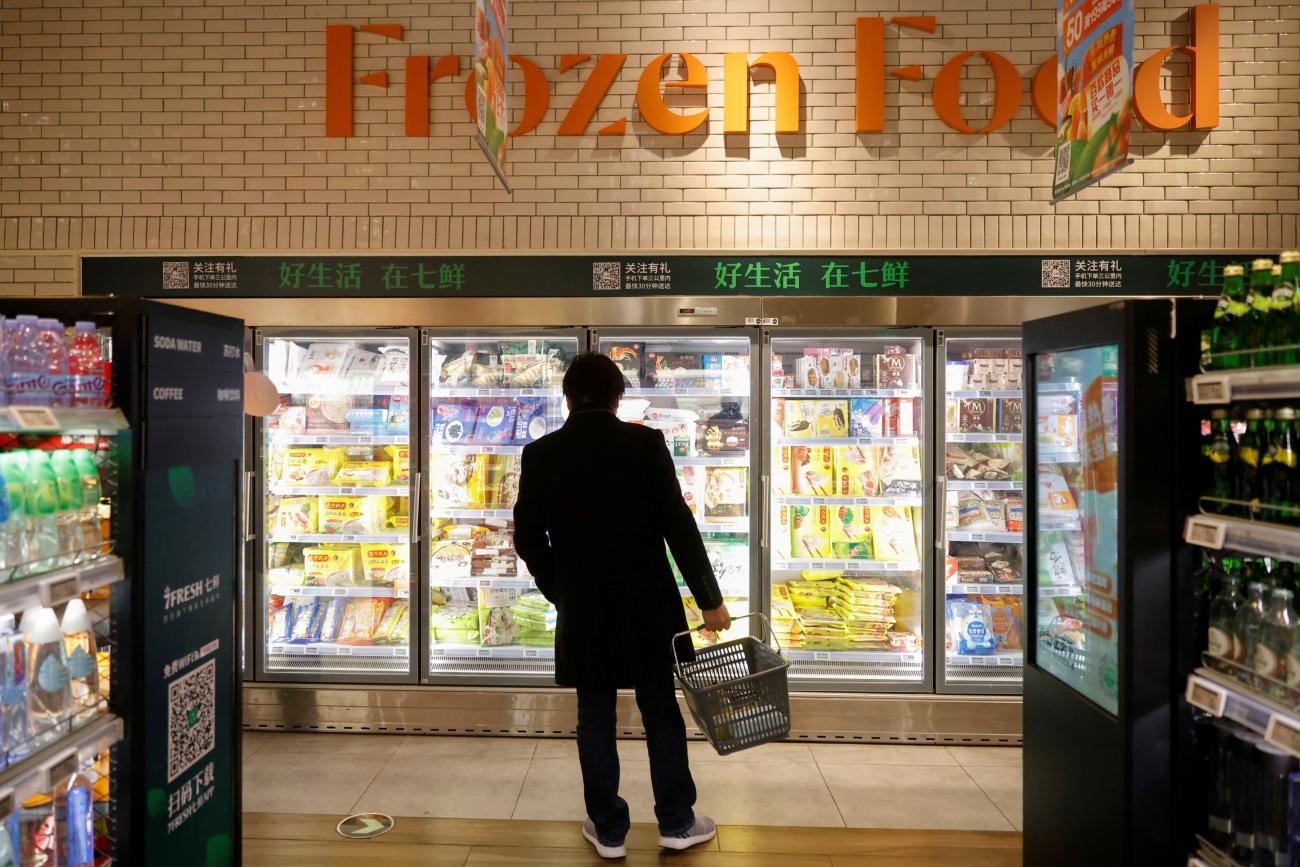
[52,675]
[1266,661]
[1292,670]
[80,664]
[1283,296]
[62,388]
[1220,642]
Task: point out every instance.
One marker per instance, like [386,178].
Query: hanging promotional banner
[1094,91]
[490,62]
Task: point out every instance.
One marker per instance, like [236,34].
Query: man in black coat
[597,500]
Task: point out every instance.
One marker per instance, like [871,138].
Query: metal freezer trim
[551,712]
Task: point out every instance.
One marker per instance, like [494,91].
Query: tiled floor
[811,785]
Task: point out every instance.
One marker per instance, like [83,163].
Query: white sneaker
[701,832]
[603,849]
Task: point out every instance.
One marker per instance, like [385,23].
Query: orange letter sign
[1204,52]
[650,101]
[589,98]
[871,74]
[1006,94]
[735,101]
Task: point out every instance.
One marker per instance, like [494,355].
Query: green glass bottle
[1225,333]
[1279,477]
[1250,449]
[1289,281]
[1281,324]
[1219,468]
[1258,320]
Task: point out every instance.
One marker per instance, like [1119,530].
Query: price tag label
[1285,733]
[911,658]
[821,656]
[484,653]
[819,501]
[402,593]
[438,651]
[530,654]
[347,491]
[816,565]
[1205,531]
[33,418]
[1007,660]
[344,650]
[340,591]
[347,538]
[1207,696]
[1211,389]
[312,651]
[62,590]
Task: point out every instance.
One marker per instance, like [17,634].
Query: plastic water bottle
[74,816]
[13,535]
[14,733]
[86,366]
[92,535]
[42,498]
[49,693]
[26,375]
[67,480]
[55,353]
[83,672]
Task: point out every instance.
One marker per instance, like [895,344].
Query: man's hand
[717,619]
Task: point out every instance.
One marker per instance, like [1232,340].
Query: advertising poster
[490,61]
[1094,96]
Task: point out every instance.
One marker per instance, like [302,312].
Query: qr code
[176,275]
[1056,273]
[1062,164]
[191,712]
[606,276]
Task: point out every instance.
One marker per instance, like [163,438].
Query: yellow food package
[783,471]
[401,460]
[401,523]
[353,514]
[832,418]
[814,470]
[801,418]
[893,533]
[782,532]
[783,607]
[296,515]
[460,481]
[386,565]
[851,532]
[329,567]
[856,474]
[310,466]
[364,473]
[812,540]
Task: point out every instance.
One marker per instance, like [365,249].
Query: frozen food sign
[345,72]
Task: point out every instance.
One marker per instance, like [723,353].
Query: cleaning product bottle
[49,694]
[67,482]
[74,816]
[42,513]
[83,672]
[92,536]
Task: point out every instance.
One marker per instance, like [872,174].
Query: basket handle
[767,626]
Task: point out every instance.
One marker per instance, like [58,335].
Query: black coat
[597,500]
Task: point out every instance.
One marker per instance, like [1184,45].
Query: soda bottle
[1222,454]
[1258,320]
[86,365]
[1225,333]
[1224,609]
[1251,447]
[1249,626]
[55,353]
[1284,575]
[1279,476]
[26,379]
[92,535]
[1275,643]
[1290,277]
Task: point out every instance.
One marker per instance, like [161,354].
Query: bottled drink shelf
[472,391]
[985,437]
[345,538]
[71,420]
[984,536]
[56,587]
[848,501]
[1013,393]
[324,649]
[846,392]
[338,491]
[984,589]
[1220,695]
[336,439]
[847,441]
[846,565]
[1260,383]
[1250,537]
[44,768]
[982,485]
[366,592]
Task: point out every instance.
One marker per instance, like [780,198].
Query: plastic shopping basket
[737,690]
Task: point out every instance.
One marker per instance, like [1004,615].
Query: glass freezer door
[337,487]
[846,507]
[697,390]
[489,396]
[984,512]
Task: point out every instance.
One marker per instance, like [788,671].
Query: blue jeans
[670,772]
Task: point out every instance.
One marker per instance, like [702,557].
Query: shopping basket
[737,690]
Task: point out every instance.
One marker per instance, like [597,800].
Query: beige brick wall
[140,125]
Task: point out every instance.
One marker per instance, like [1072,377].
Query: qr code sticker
[1056,273]
[191,718]
[606,276]
[1062,164]
[176,275]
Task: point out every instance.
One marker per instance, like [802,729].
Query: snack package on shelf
[531,422]
[360,368]
[495,422]
[454,623]
[450,559]
[814,471]
[800,418]
[364,474]
[679,427]
[294,515]
[991,462]
[399,415]
[535,619]
[460,480]
[394,366]
[321,366]
[503,481]
[782,532]
[783,471]
[895,368]
[361,619]
[832,418]
[386,565]
[497,625]
[691,480]
[279,624]
[724,436]
[899,469]
[307,617]
[850,533]
[730,562]
[325,566]
[394,625]
[400,456]
[811,532]
[332,620]
[971,628]
[328,412]
[976,415]
[1058,423]
[353,514]
[1010,415]
[893,534]
[310,466]
[856,471]
[726,493]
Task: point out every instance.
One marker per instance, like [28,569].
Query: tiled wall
[157,124]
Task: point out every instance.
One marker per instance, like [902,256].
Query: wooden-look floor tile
[348,853]
[499,856]
[849,841]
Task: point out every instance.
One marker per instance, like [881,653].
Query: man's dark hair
[593,381]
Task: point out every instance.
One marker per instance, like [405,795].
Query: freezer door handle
[249,478]
[415,509]
[941,509]
[766,517]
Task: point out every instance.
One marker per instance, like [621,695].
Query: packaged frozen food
[400,456]
[454,624]
[353,514]
[892,534]
[782,532]
[385,565]
[975,415]
[493,561]
[808,373]
[814,470]
[332,620]
[503,481]
[295,515]
[674,369]
[495,422]
[783,471]
[399,413]
[327,412]
[496,620]
[279,554]
[395,366]
[529,370]
[1004,622]
[361,619]
[450,559]
[281,622]
[972,629]
[832,418]
[984,462]
[329,567]
[866,417]
[1010,414]
[306,625]
[360,368]
[895,368]
[290,419]
[724,435]
[850,533]
[899,416]
[1058,423]
[677,425]
[899,469]
[453,421]
[399,632]
[629,357]
[368,420]
[460,480]
[310,466]
[387,621]
[726,492]
[455,371]
[691,480]
[1055,565]
[322,366]
[801,418]
[811,538]
[530,420]
[1055,500]
[360,474]
[1015,514]
[855,468]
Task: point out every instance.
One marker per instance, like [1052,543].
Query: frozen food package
[281,622]
[893,535]
[679,433]
[368,420]
[395,366]
[304,618]
[1056,567]
[1015,514]
[808,373]
[720,436]
[460,480]
[801,418]
[730,562]
[455,623]
[296,515]
[360,368]
[783,471]
[326,566]
[453,421]
[850,533]
[855,467]
[496,620]
[832,418]
[530,420]
[399,413]
[974,630]
[400,455]
[691,479]
[1004,622]
[814,470]
[1055,500]
[528,370]
[811,538]
[332,620]
[392,614]
[328,412]
[782,532]
[279,554]
[629,358]
[310,466]
[1058,423]
[899,468]
[361,474]
[450,559]
[289,419]
[674,369]
[322,366]
[361,620]
[975,415]
[726,493]
[495,422]
[456,369]
[493,561]
[1010,414]
[385,565]
[895,368]
[353,514]
[866,417]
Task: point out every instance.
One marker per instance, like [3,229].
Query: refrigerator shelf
[985,589]
[53,588]
[472,391]
[979,485]
[474,651]
[987,395]
[846,392]
[1058,457]
[41,770]
[686,392]
[484,581]
[476,449]
[984,536]
[338,491]
[863,656]
[1263,383]
[847,441]
[365,592]
[985,437]
[727,592]
[324,649]
[1250,537]
[1063,590]
[70,420]
[327,538]
[1222,696]
[472,514]
[1058,387]
[711,461]
[336,439]
[1001,659]
[845,565]
[848,501]
[338,389]
[713,527]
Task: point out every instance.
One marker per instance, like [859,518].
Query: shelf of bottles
[983,527]
[57,575]
[489,397]
[339,492]
[846,507]
[697,391]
